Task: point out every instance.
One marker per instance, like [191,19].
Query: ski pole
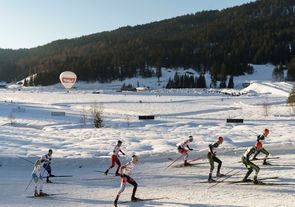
[25,159]
[32,180]
[174,161]
[44,169]
[199,158]
[223,179]
[29,184]
[226,173]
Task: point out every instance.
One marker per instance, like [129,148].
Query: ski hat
[265,131]
[119,142]
[190,138]
[38,162]
[220,139]
[50,151]
[134,158]
[258,145]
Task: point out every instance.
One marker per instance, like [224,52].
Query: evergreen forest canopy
[222,42]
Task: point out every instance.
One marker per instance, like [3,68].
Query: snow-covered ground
[28,129]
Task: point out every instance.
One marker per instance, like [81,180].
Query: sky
[31,23]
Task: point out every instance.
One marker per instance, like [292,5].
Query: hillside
[222,42]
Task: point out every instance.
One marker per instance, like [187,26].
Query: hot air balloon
[68,79]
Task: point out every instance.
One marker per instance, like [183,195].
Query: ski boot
[106,172]
[247,180]
[48,181]
[42,194]
[220,175]
[256,181]
[116,201]
[210,180]
[186,164]
[266,163]
[135,199]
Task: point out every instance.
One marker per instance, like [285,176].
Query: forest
[221,42]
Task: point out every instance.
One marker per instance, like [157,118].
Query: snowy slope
[28,129]
[261,73]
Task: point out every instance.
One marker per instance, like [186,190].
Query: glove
[191,149]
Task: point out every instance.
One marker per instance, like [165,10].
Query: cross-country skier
[250,165]
[46,160]
[212,158]
[261,138]
[115,158]
[183,149]
[38,179]
[125,172]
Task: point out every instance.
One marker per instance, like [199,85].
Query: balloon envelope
[68,79]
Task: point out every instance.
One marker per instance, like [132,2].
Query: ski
[268,158]
[189,165]
[215,181]
[61,176]
[251,181]
[227,175]
[257,159]
[47,195]
[283,165]
[104,178]
[142,200]
[63,183]
[101,171]
[266,184]
[114,174]
[269,178]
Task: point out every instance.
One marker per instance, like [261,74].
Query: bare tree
[266,108]
[84,116]
[11,118]
[128,121]
[291,100]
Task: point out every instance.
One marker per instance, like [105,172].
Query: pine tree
[291,98]
[213,76]
[281,72]
[159,73]
[231,82]
[275,74]
[291,70]
[222,84]
[201,82]
[170,84]
[25,83]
